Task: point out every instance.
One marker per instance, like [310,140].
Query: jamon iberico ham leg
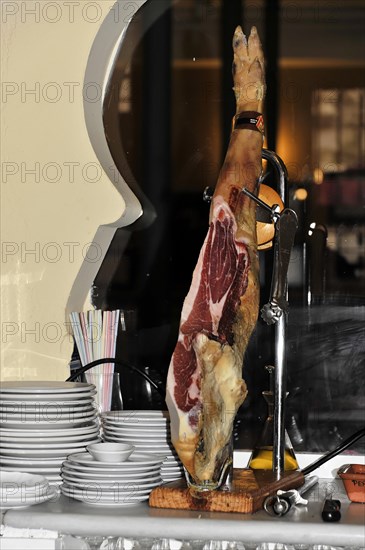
[205,386]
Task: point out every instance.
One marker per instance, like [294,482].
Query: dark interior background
[167,117]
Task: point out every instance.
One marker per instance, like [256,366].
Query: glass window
[168,136]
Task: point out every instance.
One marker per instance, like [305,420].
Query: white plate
[46,440]
[79,422]
[41,397]
[136,459]
[136,414]
[47,452]
[174,473]
[130,418]
[38,470]
[139,423]
[140,430]
[116,471]
[29,500]
[104,494]
[150,447]
[24,461]
[130,422]
[73,431]
[41,445]
[20,480]
[52,404]
[35,386]
[49,409]
[166,466]
[156,423]
[72,493]
[171,471]
[153,475]
[115,427]
[162,443]
[90,471]
[162,450]
[109,485]
[27,420]
[136,437]
[55,420]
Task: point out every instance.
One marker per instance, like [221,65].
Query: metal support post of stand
[280,339]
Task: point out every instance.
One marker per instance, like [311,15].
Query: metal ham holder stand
[275,311]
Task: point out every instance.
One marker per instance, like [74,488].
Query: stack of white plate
[149,432]
[41,423]
[111,483]
[18,489]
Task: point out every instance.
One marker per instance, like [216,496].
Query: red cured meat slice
[219,281]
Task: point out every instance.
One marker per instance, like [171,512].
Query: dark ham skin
[204,385]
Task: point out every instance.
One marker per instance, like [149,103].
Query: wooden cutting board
[246,493]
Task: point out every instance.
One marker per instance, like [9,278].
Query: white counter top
[302,525]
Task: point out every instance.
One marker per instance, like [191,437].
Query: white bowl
[110,452]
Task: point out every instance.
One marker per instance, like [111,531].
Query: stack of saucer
[111,483]
[43,422]
[18,489]
[149,432]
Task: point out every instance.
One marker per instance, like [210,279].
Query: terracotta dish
[353,477]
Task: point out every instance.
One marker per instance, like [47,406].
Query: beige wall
[54,194]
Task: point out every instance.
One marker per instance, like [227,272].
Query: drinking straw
[95,334]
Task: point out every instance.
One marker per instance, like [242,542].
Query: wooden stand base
[246,493]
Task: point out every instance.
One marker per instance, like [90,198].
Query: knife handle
[331,510]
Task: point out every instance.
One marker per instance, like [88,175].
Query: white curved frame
[100,65]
